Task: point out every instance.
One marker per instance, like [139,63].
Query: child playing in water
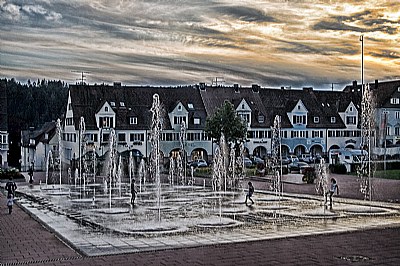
[250,193]
[10,202]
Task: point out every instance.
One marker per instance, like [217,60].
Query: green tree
[225,120]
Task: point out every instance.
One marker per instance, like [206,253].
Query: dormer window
[333,119]
[190,106]
[299,119]
[316,119]
[261,119]
[122,104]
[179,119]
[350,120]
[112,104]
[133,120]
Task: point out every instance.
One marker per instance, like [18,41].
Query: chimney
[376,84]
[282,88]
[308,89]
[355,85]
[117,84]
[255,88]
[236,88]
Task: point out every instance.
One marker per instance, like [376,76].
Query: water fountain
[155,131]
[364,172]
[190,212]
[59,138]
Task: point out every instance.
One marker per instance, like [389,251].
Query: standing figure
[133,193]
[10,187]
[10,202]
[250,193]
[30,173]
[332,189]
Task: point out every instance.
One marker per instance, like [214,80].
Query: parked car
[298,167]
[293,158]
[247,162]
[307,158]
[198,163]
[285,160]
[257,160]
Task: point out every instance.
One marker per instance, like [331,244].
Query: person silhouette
[250,193]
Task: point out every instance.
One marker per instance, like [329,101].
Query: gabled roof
[88,99]
[39,135]
[214,97]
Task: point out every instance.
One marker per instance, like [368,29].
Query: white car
[199,163]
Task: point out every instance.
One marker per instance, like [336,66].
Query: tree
[225,120]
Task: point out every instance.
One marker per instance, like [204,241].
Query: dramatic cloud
[171,42]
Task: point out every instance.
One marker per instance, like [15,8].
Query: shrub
[309,175]
[338,168]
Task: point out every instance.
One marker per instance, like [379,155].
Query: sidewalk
[24,241]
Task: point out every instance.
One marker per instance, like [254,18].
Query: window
[106,137]
[397,131]
[316,119]
[69,121]
[245,117]
[112,104]
[350,120]
[299,119]
[317,134]
[121,137]
[106,109]
[397,115]
[122,104]
[395,101]
[261,119]
[136,137]
[351,109]
[69,106]
[106,122]
[196,121]
[179,119]
[333,119]
[133,120]
[179,107]
[190,106]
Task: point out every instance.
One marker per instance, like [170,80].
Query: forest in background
[31,105]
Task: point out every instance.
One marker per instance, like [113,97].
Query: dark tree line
[31,105]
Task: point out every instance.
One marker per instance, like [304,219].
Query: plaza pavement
[25,241]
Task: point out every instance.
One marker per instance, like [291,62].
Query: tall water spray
[59,138]
[82,129]
[276,154]
[155,132]
[217,169]
[182,140]
[367,125]
[131,167]
[49,161]
[112,162]
[322,185]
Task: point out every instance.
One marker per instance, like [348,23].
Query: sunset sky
[177,42]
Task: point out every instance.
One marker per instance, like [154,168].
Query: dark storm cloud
[296,47]
[386,54]
[367,21]
[243,13]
